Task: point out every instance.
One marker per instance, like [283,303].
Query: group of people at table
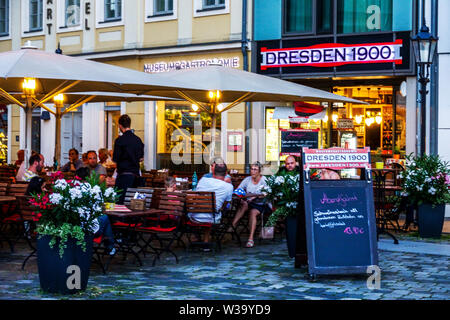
[129,152]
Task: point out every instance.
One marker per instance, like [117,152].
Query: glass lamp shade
[424,45]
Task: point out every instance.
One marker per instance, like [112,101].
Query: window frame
[65,14]
[165,12]
[152,16]
[39,13]
[201,11]
[118,4]
[216,6]
[7,22]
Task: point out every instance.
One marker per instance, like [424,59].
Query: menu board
[340,223]
[292,141]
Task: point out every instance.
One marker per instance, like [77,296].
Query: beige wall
[163,33]
[116,36]
[71,42]
[5,45]
[211,28]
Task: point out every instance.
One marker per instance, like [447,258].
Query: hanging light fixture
[194,107]
[379,118]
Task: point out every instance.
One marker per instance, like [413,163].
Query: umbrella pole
[213,135]
[28,124]
[57,155]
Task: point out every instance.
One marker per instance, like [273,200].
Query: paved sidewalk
[414,247]
[264,272]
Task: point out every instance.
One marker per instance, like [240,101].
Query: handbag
[266,232]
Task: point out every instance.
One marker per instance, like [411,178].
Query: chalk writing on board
[354,230]
[340,199]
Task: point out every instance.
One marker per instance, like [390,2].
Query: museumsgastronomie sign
[332,55]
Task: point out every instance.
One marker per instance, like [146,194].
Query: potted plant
[66,222]
[426,183]
[283,191]
[396,152]
[379,164]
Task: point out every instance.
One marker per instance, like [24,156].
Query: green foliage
[426,179]
[283,191]
[377,156]
[71,209]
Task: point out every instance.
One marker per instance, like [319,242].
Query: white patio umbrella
[214,85]
[71,101]
[42,74]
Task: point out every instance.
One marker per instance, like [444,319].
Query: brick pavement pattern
[264,272]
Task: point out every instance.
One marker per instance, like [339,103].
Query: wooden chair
[201,202]
[132,191]
[28,222]
[166,228]
[17,189]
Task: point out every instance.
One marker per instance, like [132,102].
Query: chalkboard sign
[292,141]
[339,220]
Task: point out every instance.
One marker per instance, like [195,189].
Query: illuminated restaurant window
[4,17]
[113,10]
[72,13]
[36,11]
[3,134]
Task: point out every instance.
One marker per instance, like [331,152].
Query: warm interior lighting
[29,84]
[325,119]
[194,107]
[334,117]
[369,121]
[358,119]
[220,107]
[211,94]
[379,118]
[59,98]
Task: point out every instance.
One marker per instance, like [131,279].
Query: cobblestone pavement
[264,272]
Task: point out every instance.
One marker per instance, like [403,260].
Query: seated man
[36,163]
[93,165]
[214,161]
[290,165]
[223,192]
[74,161]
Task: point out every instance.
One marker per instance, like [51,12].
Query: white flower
[419,188]
[96,189]
[60,184]
[75,193]
[428,180]
[404,194]
[110,192]
[86,187]
[279,180]
[55,198]
[432,190]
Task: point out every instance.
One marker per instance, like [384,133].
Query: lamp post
[424,44]
[59,103]
[28,87]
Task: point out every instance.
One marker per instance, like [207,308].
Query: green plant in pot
[426,183]
[282,191]
[379,164]
[67,219]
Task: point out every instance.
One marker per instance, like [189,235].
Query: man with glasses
[74,161]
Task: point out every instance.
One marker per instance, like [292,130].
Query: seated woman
[171,184]
[255,205]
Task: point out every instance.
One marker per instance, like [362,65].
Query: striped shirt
[28,175]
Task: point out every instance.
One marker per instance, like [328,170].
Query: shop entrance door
[71,134]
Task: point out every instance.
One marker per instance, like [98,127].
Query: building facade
[144,35]
[359,49]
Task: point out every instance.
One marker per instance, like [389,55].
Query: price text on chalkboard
[292,141]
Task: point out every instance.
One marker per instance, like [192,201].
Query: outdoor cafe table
[7,198]
[127,236]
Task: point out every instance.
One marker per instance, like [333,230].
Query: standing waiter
[128,152]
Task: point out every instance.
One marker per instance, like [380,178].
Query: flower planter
[291,235]
[55,276]
[431,220]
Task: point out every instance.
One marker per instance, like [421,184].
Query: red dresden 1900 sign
[332,55]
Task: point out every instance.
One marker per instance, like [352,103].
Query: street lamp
[424,44]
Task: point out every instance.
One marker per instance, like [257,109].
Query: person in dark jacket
[128,152]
